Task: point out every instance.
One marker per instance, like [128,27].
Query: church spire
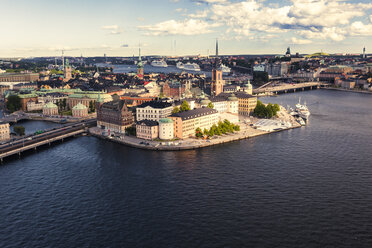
[216,48]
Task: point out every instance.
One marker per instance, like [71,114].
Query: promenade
[247,131]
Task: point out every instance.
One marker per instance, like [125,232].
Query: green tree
[237,128]
[175,110]
[13,103]
[185,106]
[210,105]
[205,132]
[198,133]
[268,111]
[19,130]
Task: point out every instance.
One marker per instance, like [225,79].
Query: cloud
[199,14]
[185,27]
[360,29]
[294,40]
[180,10]
[114,29]
[174,1]
[210,1]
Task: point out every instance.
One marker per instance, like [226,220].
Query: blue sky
[183,27]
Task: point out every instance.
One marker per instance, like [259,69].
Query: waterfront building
[26,97]
[246,102]
[225,103]
[185,123]
[166,129]
[154,110]
[50,109]
[4,131]
[80,110]
[147,129]
[35,106]
[113,116]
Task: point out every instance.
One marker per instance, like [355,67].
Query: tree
[268,111]
[210,105]
[237,128]
[19,130]
[260,77]
[13,103]
[92,107]
[175,110]
[185,106]
[198,133]
[206,132]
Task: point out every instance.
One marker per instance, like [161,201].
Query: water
[33,126]
[149,68]
[306,187]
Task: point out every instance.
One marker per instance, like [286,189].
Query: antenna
[216,47]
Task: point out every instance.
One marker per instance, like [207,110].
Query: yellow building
[147,129]
[246,102]
[4,131]
[185,123]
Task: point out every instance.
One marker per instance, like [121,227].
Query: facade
[225,103]
[114,116]
[35,106]
[50,109]
[166,129]
[185,123]
[67,71]
[147,129]
[4,131]
[174,90]
[80,110]
[19,77]
[246,102]
[135,99]
[154,110]
[86,97]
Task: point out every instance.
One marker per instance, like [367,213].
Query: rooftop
[195,113]
[155,104]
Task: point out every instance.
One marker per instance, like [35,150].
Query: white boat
[302,110]
[191,67]
[179,65]
[301,121]
[159,63]
[225,69]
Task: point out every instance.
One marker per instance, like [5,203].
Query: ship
[191,67]
[302,110]
[179,65]
[159,63]
[225,69]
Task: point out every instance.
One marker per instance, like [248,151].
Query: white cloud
[199,14]
[174,1]
[114,29]
[173,27]
[294,40]
[211,1]
[180,10]
[360,29]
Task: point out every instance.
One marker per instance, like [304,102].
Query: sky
[182,27]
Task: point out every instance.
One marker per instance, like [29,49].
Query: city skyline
[183,27]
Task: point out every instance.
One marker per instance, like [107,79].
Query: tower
[288,53]
[364,52]
[217,81]
[139,65]
[67,71]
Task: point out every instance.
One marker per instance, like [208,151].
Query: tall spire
[139,52]
[216,48]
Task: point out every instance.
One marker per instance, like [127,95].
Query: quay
[47,138]
[288,87]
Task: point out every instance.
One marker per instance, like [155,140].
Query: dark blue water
[33,126]
[307,187]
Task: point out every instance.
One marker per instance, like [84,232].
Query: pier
[281,88]
[30,142]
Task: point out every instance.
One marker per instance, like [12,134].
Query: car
[141,143]
[29,138]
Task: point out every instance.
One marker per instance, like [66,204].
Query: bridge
[30,142]
[15,117]
[280,88]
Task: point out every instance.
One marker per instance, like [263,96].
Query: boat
[301,121]
[191,67]
[225,69]
[302,110]
[159,63]
[179,65]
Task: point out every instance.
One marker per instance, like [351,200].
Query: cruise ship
[191,67]
[225,69]
[179,65]
[159,63]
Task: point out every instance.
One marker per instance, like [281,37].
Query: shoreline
[193,143]
[347,90]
